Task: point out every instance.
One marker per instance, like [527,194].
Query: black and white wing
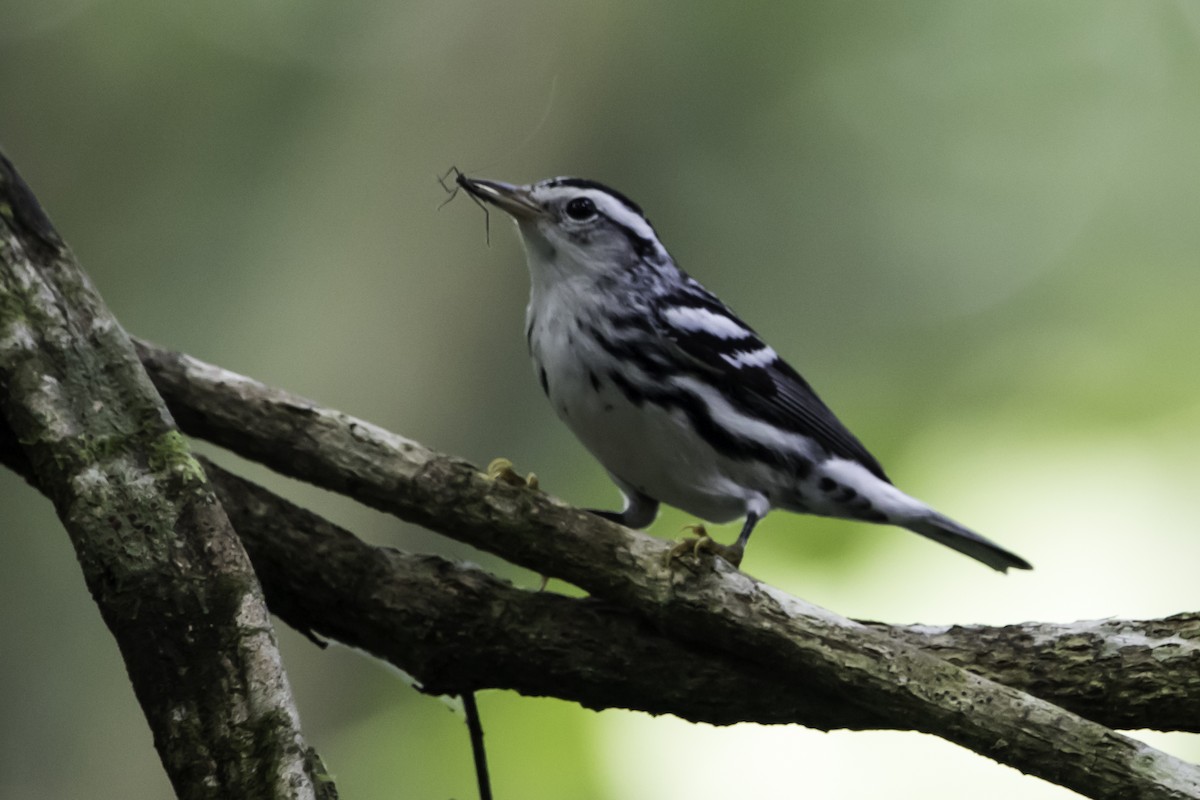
[749,374]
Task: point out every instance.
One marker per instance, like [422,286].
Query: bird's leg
[640,510]
[612,516]
[747,528]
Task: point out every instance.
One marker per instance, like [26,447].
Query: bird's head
[573,227]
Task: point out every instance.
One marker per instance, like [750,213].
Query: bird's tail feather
[950,533]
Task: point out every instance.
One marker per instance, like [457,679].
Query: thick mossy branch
[720,608]
[159,555]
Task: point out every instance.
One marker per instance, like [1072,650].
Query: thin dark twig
[475,728]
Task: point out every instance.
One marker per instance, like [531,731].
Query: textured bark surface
[457,627]
[719,607]
[1123,673]
[161,559]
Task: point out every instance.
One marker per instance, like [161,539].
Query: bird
[679,400]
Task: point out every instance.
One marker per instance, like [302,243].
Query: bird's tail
[950,533]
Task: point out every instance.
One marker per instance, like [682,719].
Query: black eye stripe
[645,248]
[640,244]
[584,209]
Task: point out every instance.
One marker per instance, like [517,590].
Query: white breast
[652,448]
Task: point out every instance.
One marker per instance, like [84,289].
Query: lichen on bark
[158,553]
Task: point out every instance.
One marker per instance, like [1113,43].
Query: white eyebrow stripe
[608,205]
[619,213]
[691,318]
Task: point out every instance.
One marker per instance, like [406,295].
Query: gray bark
[456,627]
[158,554]
[716,607]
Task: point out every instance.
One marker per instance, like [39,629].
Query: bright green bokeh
[971,225]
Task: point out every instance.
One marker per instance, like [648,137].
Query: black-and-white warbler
[679,399]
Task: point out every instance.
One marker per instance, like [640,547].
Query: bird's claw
[501,471]
[701,542]
[695,545]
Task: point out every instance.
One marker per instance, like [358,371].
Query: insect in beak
[514,200]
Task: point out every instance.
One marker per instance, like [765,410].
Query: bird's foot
[501,471]
[703,543]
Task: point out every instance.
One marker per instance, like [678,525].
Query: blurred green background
[972,226]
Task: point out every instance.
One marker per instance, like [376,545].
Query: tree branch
[1123,673]
[720,608]
[156,546]
[456,627]
[169,575]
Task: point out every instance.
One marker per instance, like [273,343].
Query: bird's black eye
[581,208]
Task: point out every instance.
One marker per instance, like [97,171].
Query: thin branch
[719,607]
[169,575]
[478,751]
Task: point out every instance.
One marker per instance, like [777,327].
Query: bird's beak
[514,200]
